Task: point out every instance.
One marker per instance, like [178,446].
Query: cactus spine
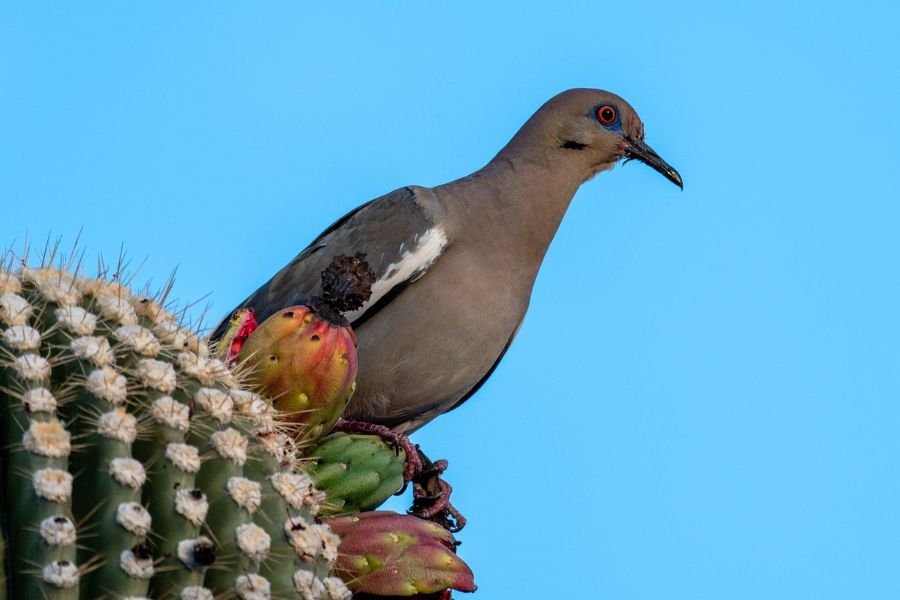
[134,465]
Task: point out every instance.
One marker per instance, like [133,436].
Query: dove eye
[606,114]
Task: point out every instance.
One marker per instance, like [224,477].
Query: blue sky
[719,418]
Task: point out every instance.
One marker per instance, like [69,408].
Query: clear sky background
[704,400]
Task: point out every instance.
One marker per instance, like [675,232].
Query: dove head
[587,131]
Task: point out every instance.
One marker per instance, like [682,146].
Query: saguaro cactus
[134,464]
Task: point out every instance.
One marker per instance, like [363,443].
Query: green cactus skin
[133,465]
[2,556]
[356,472]
[389,554]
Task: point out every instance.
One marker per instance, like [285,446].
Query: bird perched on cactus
[304,357]
[455,264]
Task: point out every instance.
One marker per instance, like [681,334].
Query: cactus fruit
[305,364]
[389,554]
[133,464]
[356,472]
[240,326]
[304,357]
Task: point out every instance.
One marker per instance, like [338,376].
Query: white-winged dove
[455,264]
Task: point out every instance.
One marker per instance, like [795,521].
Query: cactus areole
[304,357]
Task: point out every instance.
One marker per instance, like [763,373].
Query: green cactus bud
[389,554]
[132,464]
[356,472]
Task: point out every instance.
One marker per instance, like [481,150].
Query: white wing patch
[415,259]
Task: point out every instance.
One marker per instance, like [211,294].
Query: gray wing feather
[382,229]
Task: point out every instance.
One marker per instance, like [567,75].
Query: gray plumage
[455,264]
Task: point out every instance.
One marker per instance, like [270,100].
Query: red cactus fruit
[240,326]
[388,554]
[304,357]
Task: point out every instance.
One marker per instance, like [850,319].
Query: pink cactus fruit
[389,554]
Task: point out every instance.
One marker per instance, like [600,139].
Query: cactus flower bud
[389,554]
[357,472]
